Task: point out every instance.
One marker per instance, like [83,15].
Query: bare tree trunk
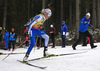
[43,4]
[98,13]
[32,4]
[43,7]
[28,9]
[70,13]
[61,11]
[4,18]
[77,18]
[87,6]
[94,13]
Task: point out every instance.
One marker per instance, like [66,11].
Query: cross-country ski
[27,63]
[56,55]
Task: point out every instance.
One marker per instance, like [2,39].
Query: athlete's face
[46,16]
[12,30]
[51,27]
[87,17]
[63,23]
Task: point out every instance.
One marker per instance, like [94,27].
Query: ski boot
[93,46]
[8,49]
[73,48]
[63,46]
[46,54]
[52,47]
[12,49]
[25,59]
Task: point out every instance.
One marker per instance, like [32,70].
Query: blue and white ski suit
[33,30]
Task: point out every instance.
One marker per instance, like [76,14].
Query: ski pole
[12,51]
[21,44]
[7,56]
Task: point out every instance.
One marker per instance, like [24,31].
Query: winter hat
[51,25]
[63,22]
[12,28]
[88,14]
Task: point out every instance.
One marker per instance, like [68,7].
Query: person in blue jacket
[6,40]
[63,33]
[83,31]
[12,39]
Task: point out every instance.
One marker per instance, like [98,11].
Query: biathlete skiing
[83,31]
[33,30]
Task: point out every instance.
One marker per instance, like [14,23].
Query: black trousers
[13,43]
[53,39]
[27,43]
[81,37]
[38,42]
[42,42]
[84,41]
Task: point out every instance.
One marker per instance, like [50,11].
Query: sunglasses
[49,15]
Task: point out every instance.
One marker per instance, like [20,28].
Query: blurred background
[17,13]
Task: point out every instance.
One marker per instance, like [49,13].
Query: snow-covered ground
[89,61]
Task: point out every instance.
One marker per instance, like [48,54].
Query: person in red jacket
[26,37]
[52,35]
[25,32]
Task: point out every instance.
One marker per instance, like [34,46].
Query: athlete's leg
[78,41]
[32,39]
[13,43]
[9,46]
[46,38]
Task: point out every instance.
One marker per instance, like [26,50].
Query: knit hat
[51,25]
[12,28]
[88,14]
[63,22]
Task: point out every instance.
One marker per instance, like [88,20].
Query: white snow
[89,61]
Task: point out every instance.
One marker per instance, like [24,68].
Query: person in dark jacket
[52,35]
[12,39]
[83,31]
[63,33]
